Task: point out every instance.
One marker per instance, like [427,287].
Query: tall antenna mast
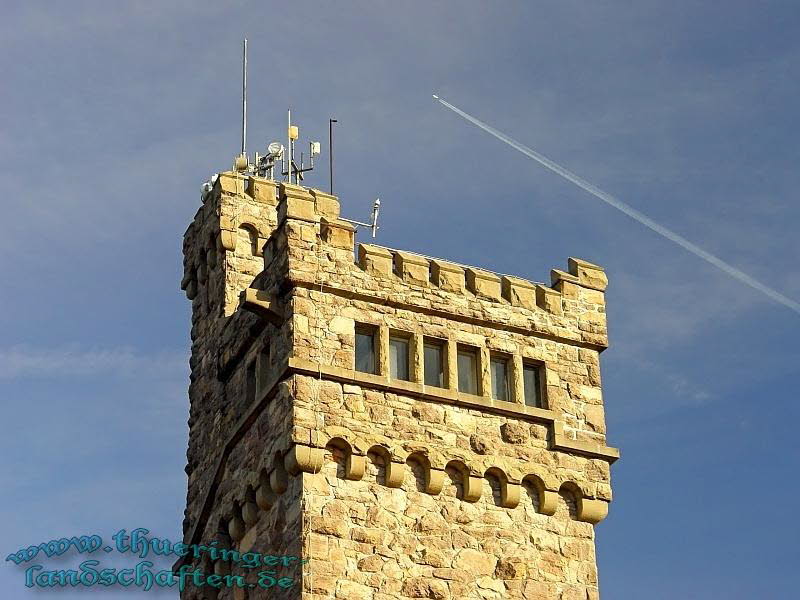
[244,96]
[330,149]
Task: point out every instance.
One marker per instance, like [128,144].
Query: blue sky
[113,114]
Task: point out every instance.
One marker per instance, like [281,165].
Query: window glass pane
[467,371]
[398,358]
[499,378]
[365,351]
[530,381]
[433,364]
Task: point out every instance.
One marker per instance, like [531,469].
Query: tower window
[531,383]
[365,349]
[398,357]
[468,370]
[250,383]
[263,366]
[500,387]
[433,363]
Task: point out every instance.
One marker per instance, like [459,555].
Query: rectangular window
[398,357]
[365,349]
[468,370]
[433,363]
[263,365]
[499,368]
[531,385]
[250,383]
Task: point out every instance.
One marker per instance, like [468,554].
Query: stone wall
[390,489]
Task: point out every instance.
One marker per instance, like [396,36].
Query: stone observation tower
[406,426]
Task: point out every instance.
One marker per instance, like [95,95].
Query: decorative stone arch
[211,252]
[201,273]
[302,458]
[278,476]
[354,465]
[393,472]
[236,525]
[265,497]
[472,486]
[589,510]
[543,488]
[247,239]
[509,492]
[434,478]
[572,495]
[249,507]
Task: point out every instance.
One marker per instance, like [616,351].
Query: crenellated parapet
[320,246]
[573,298]
[223,245]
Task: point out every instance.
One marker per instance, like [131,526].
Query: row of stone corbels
[450,277]
[263,493]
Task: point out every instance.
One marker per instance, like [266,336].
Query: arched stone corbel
[236,527]
[227,240]
[473,488]
[278,477]
[303,458]
[394,468]
[548,498]
[250,507]
[395,472]
[265,497]
[509,491]
[510,494]
[592,510]
[354,467]
[434,481]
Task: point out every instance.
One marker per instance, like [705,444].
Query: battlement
[241,216]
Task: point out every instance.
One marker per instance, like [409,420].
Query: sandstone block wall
[387,488]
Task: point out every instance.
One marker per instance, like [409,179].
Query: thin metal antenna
[244,96]
[291,144]
[376,208]
[330,150]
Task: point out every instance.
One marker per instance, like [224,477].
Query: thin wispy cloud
[19,362]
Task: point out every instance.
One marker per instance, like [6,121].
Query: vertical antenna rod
[244,96]
[291,145]
[330,150]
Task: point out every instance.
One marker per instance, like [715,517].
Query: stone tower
[405,426]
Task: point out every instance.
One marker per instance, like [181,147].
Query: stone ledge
[559,440]
[262,304]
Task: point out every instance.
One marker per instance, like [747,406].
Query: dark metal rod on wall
[330,150]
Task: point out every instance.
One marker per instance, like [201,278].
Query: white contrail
[628,210]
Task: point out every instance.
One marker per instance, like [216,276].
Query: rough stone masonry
[387,484]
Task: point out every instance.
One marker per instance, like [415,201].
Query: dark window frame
[475,352]
[500,357]
[371,331]
[407,339]
[539,368]
[441,345]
